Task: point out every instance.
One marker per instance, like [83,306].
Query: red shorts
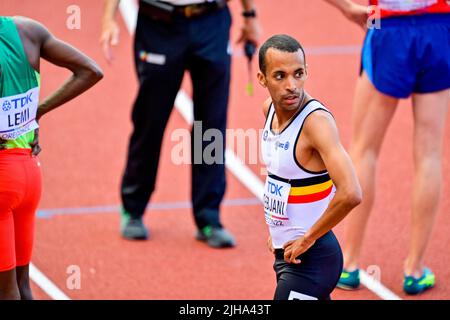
[20,191]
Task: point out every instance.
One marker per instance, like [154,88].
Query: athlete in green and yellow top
[17,77]
[22,43]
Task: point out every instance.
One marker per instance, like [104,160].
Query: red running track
[84,152]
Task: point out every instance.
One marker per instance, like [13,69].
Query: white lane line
[187,108]
[184,105]
[46,284]
[246,176]
[377,287]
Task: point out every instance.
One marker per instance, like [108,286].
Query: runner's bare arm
[354,12]
[321,133]
[85,71]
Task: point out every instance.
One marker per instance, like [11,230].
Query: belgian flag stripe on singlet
[312,197]
[309,189]
[303,182]
[302,191]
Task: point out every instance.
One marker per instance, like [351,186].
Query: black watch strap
[249,13]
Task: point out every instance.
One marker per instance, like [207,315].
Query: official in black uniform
[173,36]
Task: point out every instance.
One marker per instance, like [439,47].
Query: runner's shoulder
[319,123]
[266,106]
[33,30]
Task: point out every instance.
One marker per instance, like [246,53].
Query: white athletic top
[294,198]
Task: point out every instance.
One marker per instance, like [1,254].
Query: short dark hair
[280,42]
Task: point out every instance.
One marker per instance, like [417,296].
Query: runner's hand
[358,14]
[294,248]
[269,245]
[2,144]
[35,147]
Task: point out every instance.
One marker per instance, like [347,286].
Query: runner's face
[285,77]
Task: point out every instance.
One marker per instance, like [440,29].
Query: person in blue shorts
[406,54]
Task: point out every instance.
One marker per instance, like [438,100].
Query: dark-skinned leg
[8,285]
[23,282]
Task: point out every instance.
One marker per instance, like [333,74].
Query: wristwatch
[249,13]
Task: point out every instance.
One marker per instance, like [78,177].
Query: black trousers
[317,274]
[163,52]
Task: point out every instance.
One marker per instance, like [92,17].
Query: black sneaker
[216,237]
[132,228]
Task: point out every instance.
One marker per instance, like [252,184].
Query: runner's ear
[262,79]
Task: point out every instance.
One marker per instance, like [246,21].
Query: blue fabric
[409,54]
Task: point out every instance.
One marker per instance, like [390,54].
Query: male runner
[311,185]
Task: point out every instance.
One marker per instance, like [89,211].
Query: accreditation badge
[276,194]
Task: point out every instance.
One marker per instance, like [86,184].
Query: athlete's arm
[110,29]
[353,11]
[39,42]
[321,133]
[85,72]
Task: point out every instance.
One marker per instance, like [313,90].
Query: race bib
[18,114]
[276,194]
